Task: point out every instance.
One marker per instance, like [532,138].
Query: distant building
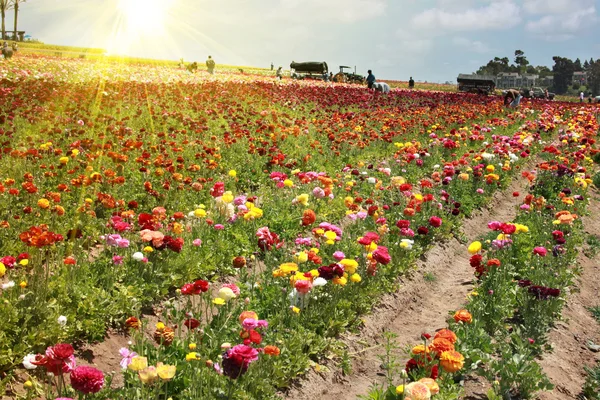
[580,78]
[508,80]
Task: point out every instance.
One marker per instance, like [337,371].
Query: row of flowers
[523,271]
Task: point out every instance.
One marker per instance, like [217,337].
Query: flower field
[236,226]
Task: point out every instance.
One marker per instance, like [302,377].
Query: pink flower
[480,191]
[117,260]
[197,242]
[127,356]
[219,227]
[87,379]
[339,256]
[303,286]
[112,240]
[494,225]
[251,323]
[318,193]
[233,288]
[540,251]
[240,200]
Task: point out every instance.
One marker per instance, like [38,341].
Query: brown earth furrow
[418,306]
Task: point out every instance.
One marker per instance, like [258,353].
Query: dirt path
[419,306]
[564,365]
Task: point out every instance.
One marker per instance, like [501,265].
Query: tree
[15,6]
[4,5]
[586,65]
[563,73]
[594,78]
[577,64]
[521,60]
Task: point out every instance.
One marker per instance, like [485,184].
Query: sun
[145,17]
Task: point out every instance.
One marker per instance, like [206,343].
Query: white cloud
[347,11]
[495,16]
[561,27]
[413,43]
[556,7]
[474,46]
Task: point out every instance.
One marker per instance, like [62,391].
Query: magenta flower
[540,251]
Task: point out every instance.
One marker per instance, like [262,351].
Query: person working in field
[411,83]
[512,98]
[370,79]
[279,73]
[210,64]
[381,87]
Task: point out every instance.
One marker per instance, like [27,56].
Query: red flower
[368,238]
[87,379]
[436,222]
[218,189]
[308,217]
[403,224]
[191,323]
[381,255]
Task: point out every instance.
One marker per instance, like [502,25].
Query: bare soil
[565,365]
[420,305]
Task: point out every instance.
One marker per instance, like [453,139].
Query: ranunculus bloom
[463,316]
[451,361]
[87,379]
[417,391]
[237,359]
[440,345]
[303,286]
[381,255]
[436,222]
[475,247]
[540,251]
[446,334]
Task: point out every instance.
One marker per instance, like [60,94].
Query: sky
[431,40]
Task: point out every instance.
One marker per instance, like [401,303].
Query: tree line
[562,70]
[6,5]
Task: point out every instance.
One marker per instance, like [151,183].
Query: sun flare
[145,17]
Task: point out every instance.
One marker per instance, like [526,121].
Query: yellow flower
[302,199]
[63,160]
[296,310]
[330,236]
[372,247]
[232,173]
[399,390]
[43,203]
[28,384]
[349,265]
[490,168]
[165,372]
[160,326]
[138,363]
[226,294]
[200,213]
[475,247]
[218,301]
[191,357]
[227,197]
[24,262]
[288,183]
[301,257]
[288,268]
[340,281]
[521,228]
[148,249]
[177,228]
[23,284]
[355,278]
[192,346]
[2,270]
[75,152]
[148,375]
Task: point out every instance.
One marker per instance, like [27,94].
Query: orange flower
[451,361]
[446,334]
[463,316]
[420,349]
[441,345]
[308,218]
[272,350]
[248,314]
[133,323]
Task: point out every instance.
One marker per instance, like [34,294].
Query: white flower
[27,361]
[372,180]
[8,285]
[416,155]
[436,166]
[62,320]
[407,244]
[137,256]
[320,281]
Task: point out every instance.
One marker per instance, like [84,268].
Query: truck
[537,93]
[480,84]
[309,70]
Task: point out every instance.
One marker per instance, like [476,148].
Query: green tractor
[348,77]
